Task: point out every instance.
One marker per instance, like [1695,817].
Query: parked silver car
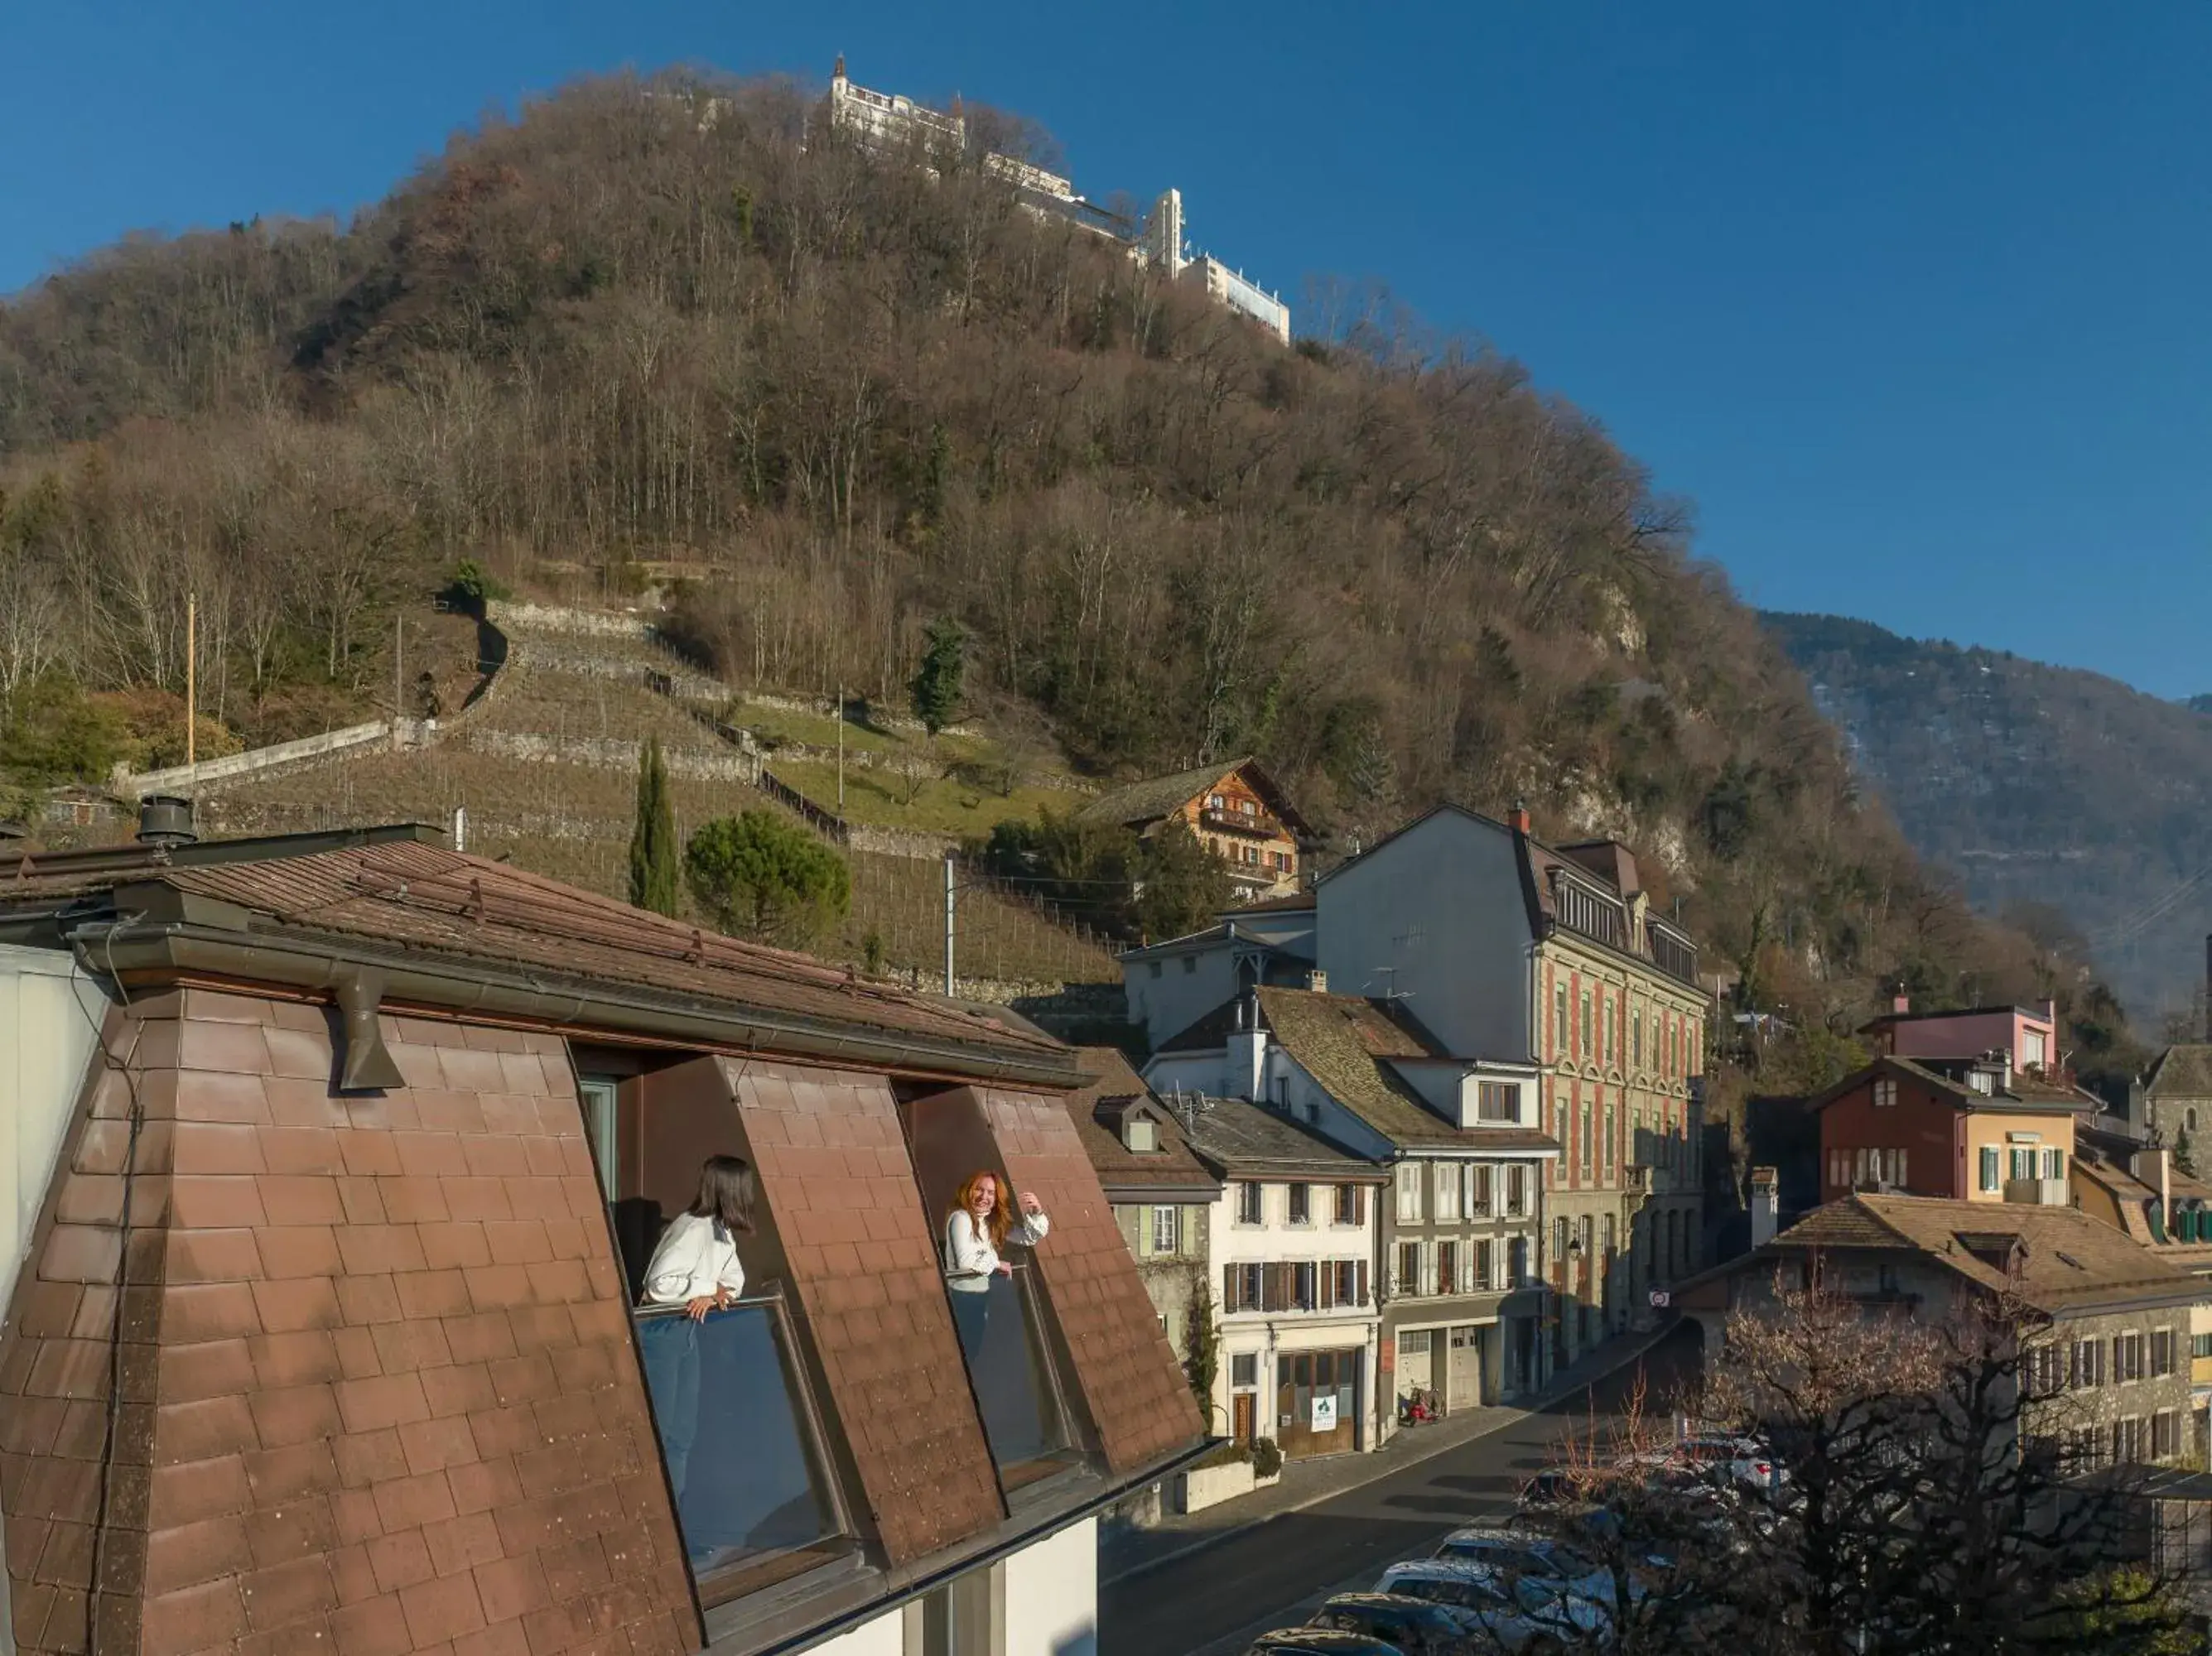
[1524,1615]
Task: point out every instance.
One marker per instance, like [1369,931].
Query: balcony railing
[1002,1340]
[739,1439]
[1236,821]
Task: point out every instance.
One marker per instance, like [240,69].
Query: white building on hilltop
[888,120]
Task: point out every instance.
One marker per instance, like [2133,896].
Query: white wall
[884,1636]
[50,1016]
[1437,915]
[1052,1595]
[1169,1003]
[49,1021]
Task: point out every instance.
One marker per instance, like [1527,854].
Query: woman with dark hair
[696,1265]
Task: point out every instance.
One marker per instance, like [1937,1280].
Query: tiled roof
[2184,1072]
[384,1396]
[1340,1040]
[1119,1167]
[422,897]
[1125,1370]
[862,1256]
[2068,1259]
[2025,1095]
[1248,1140]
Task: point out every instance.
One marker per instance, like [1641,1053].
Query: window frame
[1173,1216]
[1298,1209]
[1407,1196]
[1251,1202]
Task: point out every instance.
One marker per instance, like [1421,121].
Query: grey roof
[2184,1072]
[1237,1138]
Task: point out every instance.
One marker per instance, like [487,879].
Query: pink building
[2029,1035]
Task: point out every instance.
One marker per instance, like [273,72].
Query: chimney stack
[166,819]
[1900,1003]
[1766,1202]
[1518,820]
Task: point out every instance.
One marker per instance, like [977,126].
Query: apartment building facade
[1293,1250]
[2105,1324]
[1458,1235]
[1533,955]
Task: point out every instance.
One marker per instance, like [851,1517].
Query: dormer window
[1982,1081]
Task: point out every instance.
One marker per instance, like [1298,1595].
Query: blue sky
[1912,307]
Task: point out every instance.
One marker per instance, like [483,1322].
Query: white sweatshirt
[697,1255]
[970,1258]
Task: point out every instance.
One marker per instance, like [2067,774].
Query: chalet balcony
[1236,821]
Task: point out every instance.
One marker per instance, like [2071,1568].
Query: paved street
[1214,1601]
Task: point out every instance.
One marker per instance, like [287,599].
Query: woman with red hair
[979,1224]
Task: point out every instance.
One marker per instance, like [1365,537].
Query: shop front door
[1463,1387]
[1318,1402]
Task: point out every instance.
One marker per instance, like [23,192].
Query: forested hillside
[845,395]
[2041,785]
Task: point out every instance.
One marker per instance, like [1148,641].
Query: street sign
[1658,1299]
[1324,1412]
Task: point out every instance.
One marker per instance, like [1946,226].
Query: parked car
[1746,1460]
[1523,1617]
[1318,1642]
[1532,1558]
[1414,1625]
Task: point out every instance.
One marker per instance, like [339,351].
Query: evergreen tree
[652,839]
[936,687]
[759,875]
[2182,1158]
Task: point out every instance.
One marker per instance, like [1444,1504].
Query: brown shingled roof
[424,897]
[2068,1260]
[1094,1110]
[1346,1044]
[1142,803]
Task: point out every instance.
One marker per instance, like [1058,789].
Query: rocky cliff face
[2035,784]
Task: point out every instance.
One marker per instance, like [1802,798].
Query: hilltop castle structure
[889,120]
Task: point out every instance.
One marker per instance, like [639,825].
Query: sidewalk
[1307,1482]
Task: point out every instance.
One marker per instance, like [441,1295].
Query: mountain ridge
[2036,784]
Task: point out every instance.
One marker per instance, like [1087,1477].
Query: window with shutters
[1409,1192]
[1408,1281]
[1346,1276]
[1992,1178]
[2127,1358]
[1516,1191]
[2164,1435]
[2023,1163]
[1609,1140]
[1300,1204]
[1485,1266]
[2054,1164]
[2086,1367]
[1588,1136]
[1250,1207]
[1560,1047]
[2046,1371]
[2161,1351]
[1351,1205]
[1448,1191]
[2127,1439]
[1305,1290]
[1167,1230]
[1586,1031]
[1636,1055]
[1448,1268]
[1479,1193]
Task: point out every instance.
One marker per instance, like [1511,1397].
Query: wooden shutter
[1232,1300]
[1359,1285]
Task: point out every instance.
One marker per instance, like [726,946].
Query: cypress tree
[652,854]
